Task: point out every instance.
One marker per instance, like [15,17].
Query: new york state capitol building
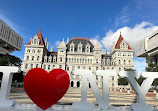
[78,53]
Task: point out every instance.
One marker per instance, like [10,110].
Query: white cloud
[123,18]
[139,64]
[131,35]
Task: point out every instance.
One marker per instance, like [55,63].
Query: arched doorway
[78,84]
[72,84]
[89,85]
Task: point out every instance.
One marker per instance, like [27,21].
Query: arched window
[84,67]
[123,45]
[119,68]
[60,59]
[27,58]
[88,60]
[129,62]
[72,84]
[78,67]
[71,48]
[80,60]
[35,41]
[85,60]
[38,51]
[32,57]
[119,61]
[36,65]
[60,66]
[124,61]
[31,65]
[48,67]
[26,65]
[89,68]
[67,68]
[37,57]
[87,49]
[78,84]
[33,51]
[44,66]
[103,68]
[77,61]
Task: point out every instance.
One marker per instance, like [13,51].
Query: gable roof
[117,46]
[83,41]
[39,35]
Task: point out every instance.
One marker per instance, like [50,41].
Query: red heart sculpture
[45,89]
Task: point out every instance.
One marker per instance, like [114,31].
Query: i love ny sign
[45,89]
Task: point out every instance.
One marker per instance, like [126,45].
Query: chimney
[67,40]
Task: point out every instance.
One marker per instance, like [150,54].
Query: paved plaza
[73,95]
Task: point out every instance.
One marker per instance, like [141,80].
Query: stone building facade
[148,47]
[9,40]
[78,53]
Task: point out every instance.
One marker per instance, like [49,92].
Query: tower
[97,52]
[61,57]
[34,52]
[122,54]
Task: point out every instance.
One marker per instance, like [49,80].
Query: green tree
[123,80]
[9,60]
[153,68]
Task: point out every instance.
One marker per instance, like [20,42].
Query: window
[78,67]
[107,67]
[112,78]
[129,62]
[69,60]
[31,65]
[71,48]
[84,67]
[35,41]
[67,68]
[38,51]
[119,68]
[44,66]
[26,65]
[36,65]
[112,84]
[37,57]
[89,68]
[79,48]
[60,59]
[96,67]
[103,68]
[48,67]
[60,66]
[33,51]
[124,61]
[87,49]
[119,61]
[27,58]
[32,57]
[28,50]
[53,66]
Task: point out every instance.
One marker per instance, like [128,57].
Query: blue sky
[99,19]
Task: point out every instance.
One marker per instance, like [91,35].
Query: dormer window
[71,48]
[87,49]
[35,41]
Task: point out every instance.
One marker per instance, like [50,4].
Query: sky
[102,20]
